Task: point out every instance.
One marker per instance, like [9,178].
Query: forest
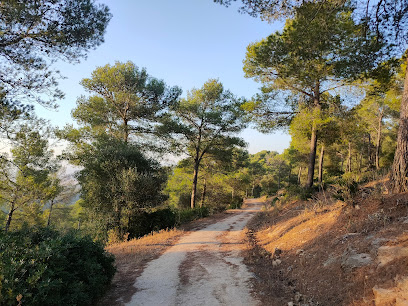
[334,78]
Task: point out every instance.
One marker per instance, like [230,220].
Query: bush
[345,188]
[236,203]
[187,215]
[149,221]
[156,220]
[43,267]
[296,192]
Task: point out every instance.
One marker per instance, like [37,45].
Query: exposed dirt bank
[326,252]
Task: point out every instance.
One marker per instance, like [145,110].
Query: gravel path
[203,268]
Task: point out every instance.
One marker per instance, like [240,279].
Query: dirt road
[203,268]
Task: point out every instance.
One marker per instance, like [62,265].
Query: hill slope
[326,252]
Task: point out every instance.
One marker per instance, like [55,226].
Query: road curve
[204,268]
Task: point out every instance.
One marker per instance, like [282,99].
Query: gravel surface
[205,267]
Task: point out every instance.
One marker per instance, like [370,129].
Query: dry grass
[299,230]
[131,257]
[136,249]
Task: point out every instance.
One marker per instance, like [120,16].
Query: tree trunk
[312,157]
[378,142]
[279,176]
[289,174]
[313,139]
[9,217]
[195,179]
[349,158]
[49,215]
[126,130]
[360,163]
[369,157]
[117,219]
[399,175]
[203,193]
[321,165]
[299,175]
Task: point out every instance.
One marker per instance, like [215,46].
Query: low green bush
[162,218]
[149,221]
[345,188]
[236,203]
[187,215]
[296,192]
[44,267]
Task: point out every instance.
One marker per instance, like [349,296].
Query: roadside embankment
[326,252]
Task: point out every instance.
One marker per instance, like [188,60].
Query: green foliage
[345,188]
[222,180]
[319,49]
[149,221]
[116,127]
[188,215]
[266,9]
[388,17]
[316,49]
[127,102]
[163,218]
[205,124]
[48,268]
[236,203]
[295,192]
[33,34]
[179,186]
[25,178]
[117,183]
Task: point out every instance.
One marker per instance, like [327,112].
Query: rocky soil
[327,252]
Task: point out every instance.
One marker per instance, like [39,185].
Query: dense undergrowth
[40,266]
[164,218]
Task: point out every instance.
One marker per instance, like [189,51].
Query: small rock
[290,304]
[331,260]
[290,268]
[348,235]
[300,252]
[276,262]
[298,297]
[352,261]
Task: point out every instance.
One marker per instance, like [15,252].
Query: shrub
[156,220]
[296,192]
[149,221]
[345,188]
[236,203]
[187,215]
[43,267]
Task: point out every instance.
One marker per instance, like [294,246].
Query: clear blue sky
[183,42]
